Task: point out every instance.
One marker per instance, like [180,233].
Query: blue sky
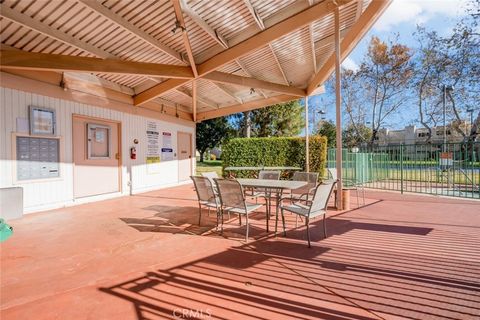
[402,17]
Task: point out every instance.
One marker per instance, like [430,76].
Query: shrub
[273,152]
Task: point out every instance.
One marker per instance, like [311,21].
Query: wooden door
[184,147]
[96,156]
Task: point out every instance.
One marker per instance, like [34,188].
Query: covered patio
[144,257]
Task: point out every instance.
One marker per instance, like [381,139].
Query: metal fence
[447,169]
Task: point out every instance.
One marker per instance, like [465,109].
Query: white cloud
[418,12]
[348,63]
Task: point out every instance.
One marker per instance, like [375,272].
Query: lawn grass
[208,166]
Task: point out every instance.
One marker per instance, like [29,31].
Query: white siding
[58,193]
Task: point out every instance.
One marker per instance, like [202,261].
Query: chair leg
[239,219]
[358,198]
[308,231]
[276,221]
[325,225]
[267,217]
[363,193]
[199,213]
[246,221]
[217,211]
[296,221]
[283,222]
[208,212]
[221,226]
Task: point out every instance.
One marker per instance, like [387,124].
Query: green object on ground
[5,230]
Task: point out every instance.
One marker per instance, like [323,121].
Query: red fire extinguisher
[133,153]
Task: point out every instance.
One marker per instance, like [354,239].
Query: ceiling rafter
[260,39]
[131,28]
[222,77]
[247,106]
[186,41]
[203,24]
[215,35]
[312,47]
[227,91]
[202,100]
[261,25]
[245,69]
[354,35]
[56,62]
[270,34]
[28,22]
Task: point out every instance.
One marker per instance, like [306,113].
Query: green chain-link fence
[447,169]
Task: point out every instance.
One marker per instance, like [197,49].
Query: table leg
[277,200]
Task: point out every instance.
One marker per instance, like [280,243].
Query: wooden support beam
[261,25]
[56,62]
[251,105]
[194,101]
[338,108]
[27,21]
[203,24]
[312,48]
[279,65]
[254,14]
[157,90]
[227,91]
[268,35]
[131,28]
[186,41]
[221,77]
[245,70]
[202,100]
[356,33]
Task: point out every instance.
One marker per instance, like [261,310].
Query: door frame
[120,157]
[191,152]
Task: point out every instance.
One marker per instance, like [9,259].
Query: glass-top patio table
[275,189]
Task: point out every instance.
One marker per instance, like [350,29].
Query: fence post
[401,168]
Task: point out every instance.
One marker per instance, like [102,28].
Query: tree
[449,60]
[285,119]
[328,130]
[384,75]
[429,65]
[351,138]
[211,133]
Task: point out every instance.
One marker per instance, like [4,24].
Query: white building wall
[42,195]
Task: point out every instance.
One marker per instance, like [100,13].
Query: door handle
[117,156]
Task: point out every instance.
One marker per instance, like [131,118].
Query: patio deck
[144,257]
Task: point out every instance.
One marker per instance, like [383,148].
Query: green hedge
[273,152]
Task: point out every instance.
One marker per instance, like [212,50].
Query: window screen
[98,141]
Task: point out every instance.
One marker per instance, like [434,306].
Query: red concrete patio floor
[144,257]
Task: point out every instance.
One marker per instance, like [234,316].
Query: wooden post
[194,101]
[307,146]
[338,100]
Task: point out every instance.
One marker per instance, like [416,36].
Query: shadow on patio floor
[363,270]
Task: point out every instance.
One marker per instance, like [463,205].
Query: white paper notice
[167,149]
[153,147]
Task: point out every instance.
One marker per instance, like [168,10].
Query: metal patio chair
[265,193]
[210,175]
[232,199]
[348,183]
[207,196]
[312,209]
[304,193]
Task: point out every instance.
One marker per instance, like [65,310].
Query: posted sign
[446,159]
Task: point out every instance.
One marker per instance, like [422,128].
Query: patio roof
[201,58]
